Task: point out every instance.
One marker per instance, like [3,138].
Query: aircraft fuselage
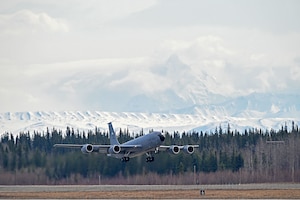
[146,143]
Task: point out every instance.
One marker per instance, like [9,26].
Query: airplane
[148,144]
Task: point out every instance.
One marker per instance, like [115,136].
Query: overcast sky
[53,52]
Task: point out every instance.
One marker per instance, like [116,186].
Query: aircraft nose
[161,137]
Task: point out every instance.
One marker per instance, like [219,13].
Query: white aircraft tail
[112,135]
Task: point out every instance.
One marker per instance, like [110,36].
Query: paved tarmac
[97,188]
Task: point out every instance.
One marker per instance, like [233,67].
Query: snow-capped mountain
[135,122]
[171,96]
[185,87]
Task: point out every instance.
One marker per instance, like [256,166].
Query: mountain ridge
[39,121]
[171,96]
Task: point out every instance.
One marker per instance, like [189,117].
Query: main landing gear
[150,159]
[125,159]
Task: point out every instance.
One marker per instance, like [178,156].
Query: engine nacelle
[87,148]
[114,149]
[188,149]
[174,149]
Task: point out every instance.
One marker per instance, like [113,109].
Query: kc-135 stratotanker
[148,144]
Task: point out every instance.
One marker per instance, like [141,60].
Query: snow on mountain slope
[135,122]
[196,99]
[186,86]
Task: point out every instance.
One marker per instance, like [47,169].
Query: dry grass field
[157,194]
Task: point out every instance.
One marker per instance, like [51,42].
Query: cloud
[233,14]
[142,81]
[111,9]
[261,62]
[98,52]
[26,21]
[295,70]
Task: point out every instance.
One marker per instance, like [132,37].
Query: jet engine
[188,149]
[174,149]
[87,148]
[114,149]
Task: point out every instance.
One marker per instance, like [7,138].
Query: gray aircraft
[148,144]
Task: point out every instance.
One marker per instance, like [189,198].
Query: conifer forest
[224,157]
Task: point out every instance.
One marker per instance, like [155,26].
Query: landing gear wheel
[125,159]
[150,159]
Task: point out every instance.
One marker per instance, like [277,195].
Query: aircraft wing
[175,149]
[123,148]
[130,146]
[101,148]
[165,147]
[69,145]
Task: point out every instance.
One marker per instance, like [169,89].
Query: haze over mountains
[202,64]
[194,102]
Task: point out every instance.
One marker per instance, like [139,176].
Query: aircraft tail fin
[112,135]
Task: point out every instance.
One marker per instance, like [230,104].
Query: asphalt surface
[95,188]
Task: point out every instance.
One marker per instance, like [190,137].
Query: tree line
[224,156]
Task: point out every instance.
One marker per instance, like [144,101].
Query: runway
[97,188]
[242,191]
